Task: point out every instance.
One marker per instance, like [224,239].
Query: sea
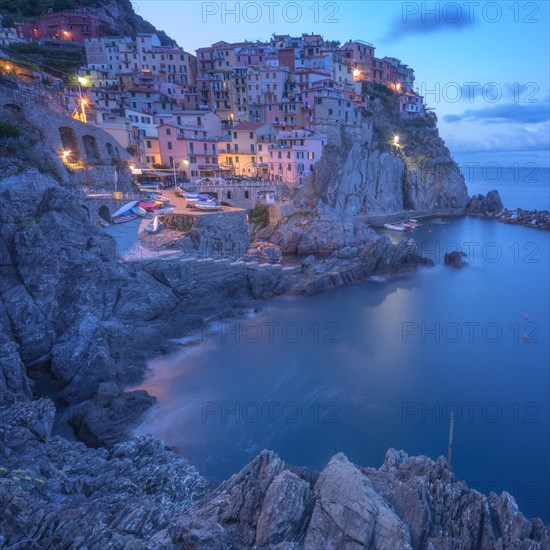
[386,363]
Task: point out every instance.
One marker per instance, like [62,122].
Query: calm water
[526,186]
[383,364]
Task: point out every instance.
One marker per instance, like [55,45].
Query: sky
[482,65]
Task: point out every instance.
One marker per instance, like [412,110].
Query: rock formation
[369,173]
[139,494]
[455,258]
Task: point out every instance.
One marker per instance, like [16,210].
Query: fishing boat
[153,226]
[207,205]
[395,227]
[148,206]
[124,218]
[123,209]
[139,210]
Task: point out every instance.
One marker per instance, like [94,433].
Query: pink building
[69,25]
[292,157]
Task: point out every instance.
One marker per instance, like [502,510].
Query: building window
[247,194]
[170,145]
[168,131]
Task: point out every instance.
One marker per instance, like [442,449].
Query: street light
[356,73]
[65,155]
[82,82]
[396,140]
[83,102]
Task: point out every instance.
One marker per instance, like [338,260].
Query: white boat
[191,197]
[139,210]
[123,209]
[153,226]
[395,227]
[207,205]
[195,197]
[165,210]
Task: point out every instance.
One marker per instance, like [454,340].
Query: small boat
[150,186]
[207,205]
[148,206]
[153,226]
[139,210]
[195,197]
[124,218]
[395,227]
[123,209]
[165,210]
[410,224]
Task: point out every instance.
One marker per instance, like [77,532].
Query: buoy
[525,337]
[526,317]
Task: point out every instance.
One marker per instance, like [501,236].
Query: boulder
[455,259]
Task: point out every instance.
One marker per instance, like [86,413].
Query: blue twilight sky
[483,65]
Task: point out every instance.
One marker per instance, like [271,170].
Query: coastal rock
[485,205]
[319,232]
[109,418]
[455,259]
[349,513]
[264,252]
[537,219]
[285,510]
[377,257]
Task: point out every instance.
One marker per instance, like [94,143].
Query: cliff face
[366,172]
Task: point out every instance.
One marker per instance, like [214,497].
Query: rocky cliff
[370,172]
[139,494]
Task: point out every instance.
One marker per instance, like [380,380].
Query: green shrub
[258,215]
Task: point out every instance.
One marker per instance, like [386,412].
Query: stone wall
[213,234]
[96,149]
[277,212]
[242,194]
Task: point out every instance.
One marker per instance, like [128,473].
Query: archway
[105,213]
[113,151]
[91,149]
[69,142]
[14,112]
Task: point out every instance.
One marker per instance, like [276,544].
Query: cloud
[514,141]
[507,112]
[415,19]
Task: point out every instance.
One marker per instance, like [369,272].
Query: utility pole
[451,429]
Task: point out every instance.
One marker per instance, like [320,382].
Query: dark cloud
[414,19]
[508,112]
